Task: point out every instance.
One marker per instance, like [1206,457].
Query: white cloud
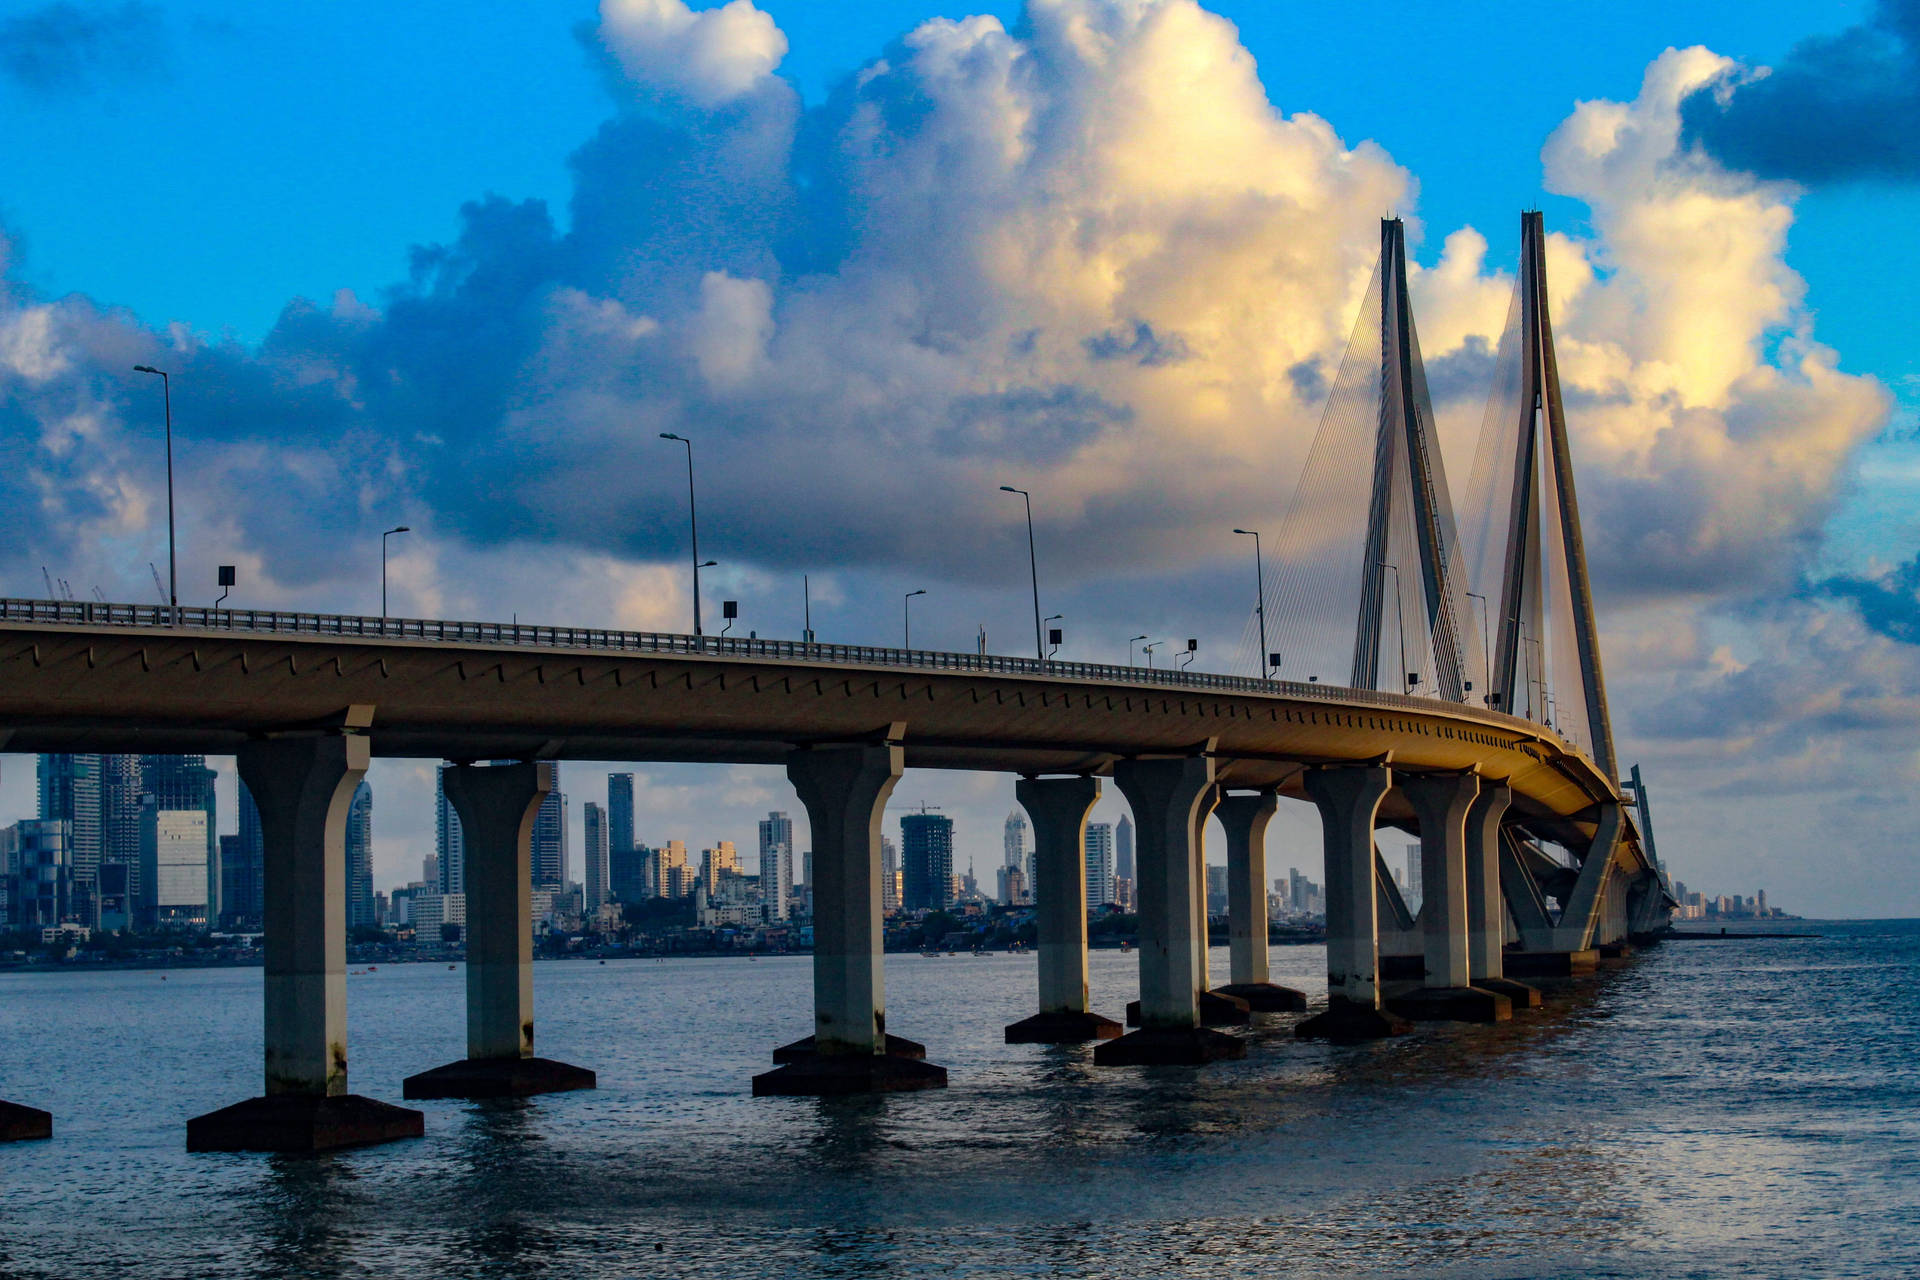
[710,56]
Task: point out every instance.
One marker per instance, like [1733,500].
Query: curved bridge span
[126,678]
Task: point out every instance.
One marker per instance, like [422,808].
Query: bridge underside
[112,690]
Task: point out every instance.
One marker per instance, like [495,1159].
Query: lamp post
[1267,663]
[1033,565]
[1148,648]
[906,618]
[1400,623]
[1486,648]
[693,522]
[173,568]
[1130,643]
[399,528]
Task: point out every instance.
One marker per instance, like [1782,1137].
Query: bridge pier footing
[24,1124]
[1167,797]
[497,805]
[1442,802]
[1348,799]
[845,790]
[1058,808]
[304,787]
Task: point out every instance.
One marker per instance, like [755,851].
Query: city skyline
[1745,442]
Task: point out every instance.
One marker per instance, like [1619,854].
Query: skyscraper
[619,814]
[360,859]
[1099,854]
[173,866]
[243,871]
[550,840]
[889,875]
[181,783]
[776,863]
[926,861]
[598,857]
[71,788]
[1016,840]
[449,843]
[715,863]
[1123,848]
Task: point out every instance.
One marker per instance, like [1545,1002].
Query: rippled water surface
[1715,1108]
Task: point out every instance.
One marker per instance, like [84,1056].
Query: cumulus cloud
[1839,107]
[709,56]
[69,48]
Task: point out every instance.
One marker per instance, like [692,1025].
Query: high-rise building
[185,783]
[1123,850]
[598,856]
[550,840]
[39,862]
[1013,886]
[670,870]
[359,858]
[776,863]
[629,873]
[173,866]
[890,887]
[720,861]
[1015,840]
[243,868]
[1415,885]
[71,791]
[449,842]
[619,815]
[1099,858]
[926,861]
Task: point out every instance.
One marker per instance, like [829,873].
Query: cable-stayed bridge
[1491,742]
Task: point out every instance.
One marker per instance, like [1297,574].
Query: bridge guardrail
[276,622]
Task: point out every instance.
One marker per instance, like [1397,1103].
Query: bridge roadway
[274,689]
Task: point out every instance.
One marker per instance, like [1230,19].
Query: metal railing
[521,635]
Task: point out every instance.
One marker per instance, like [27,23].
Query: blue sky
[180,176]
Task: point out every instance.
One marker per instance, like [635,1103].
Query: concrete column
[1486,905]
[1245,819]
[1348,798]
[1441,803]
[497,805]
[1058,809]
[1166,795]
[304,786]
[845,790]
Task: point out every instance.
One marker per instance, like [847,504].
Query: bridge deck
[94,677]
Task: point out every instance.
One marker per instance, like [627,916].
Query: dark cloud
[1889,603]
[71,48]
[1465,373]
[1138,344]
[1839,107]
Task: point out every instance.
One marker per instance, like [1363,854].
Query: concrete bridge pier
[1217,1009]
[304,786]
[24,1124]
[1486,907]
[1446,994]
[1058,808]
[497,805]
[1167,797]
[1348,798]
[845,790]
[1245,819]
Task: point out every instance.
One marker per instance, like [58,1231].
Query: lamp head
[668,435]
[145,368]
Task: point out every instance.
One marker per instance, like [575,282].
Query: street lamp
[1149,651]
[1135,640]
[1267,656]
[166,393]
[399,528]
[1053,633]
[1400,624]
[1486,647]
[906,618]
[693,522]
[1033,565]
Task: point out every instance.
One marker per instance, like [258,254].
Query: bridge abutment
[1058,809]
[845,790]
[303,786]
[497,805]
[1245,819]
[1348,799]
[1442,802]
[1169,799]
